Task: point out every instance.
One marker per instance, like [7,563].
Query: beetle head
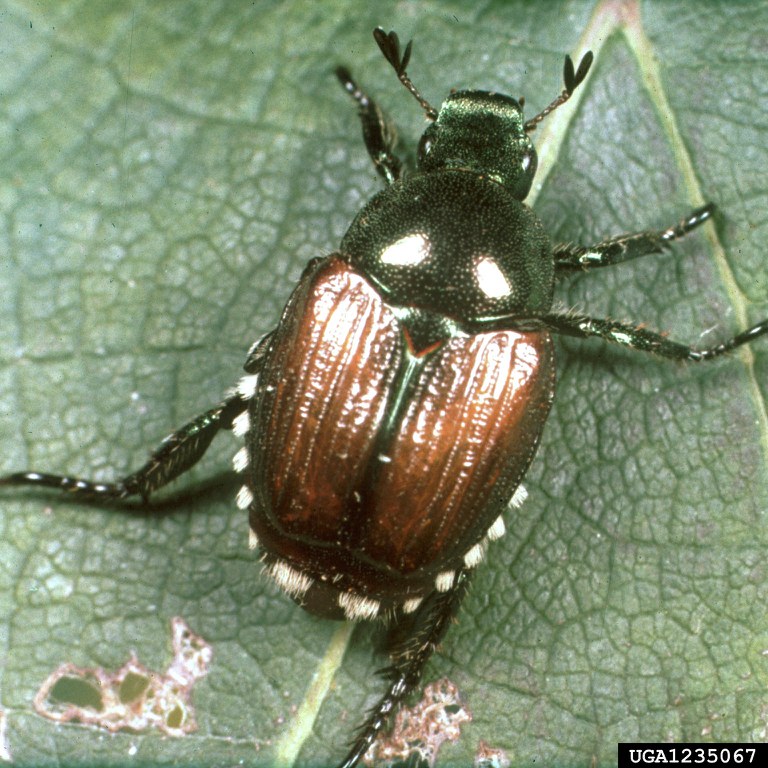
[480,131]
[484,133]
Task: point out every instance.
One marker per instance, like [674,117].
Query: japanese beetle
[392,414]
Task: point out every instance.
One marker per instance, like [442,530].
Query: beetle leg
[614,250]
[379,132]
[643,340]
[175,455]
[409,658]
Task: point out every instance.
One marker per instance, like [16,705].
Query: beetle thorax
[456,244]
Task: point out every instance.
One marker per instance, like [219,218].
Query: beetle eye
[526,161]
[425,146]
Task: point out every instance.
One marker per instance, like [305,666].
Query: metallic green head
[484,133]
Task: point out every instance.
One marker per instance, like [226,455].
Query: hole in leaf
[79,691]
[132,687]
[132,698]
[175,718]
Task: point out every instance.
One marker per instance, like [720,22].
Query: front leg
[614,250]
[379,132]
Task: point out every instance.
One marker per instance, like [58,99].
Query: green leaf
[168,169]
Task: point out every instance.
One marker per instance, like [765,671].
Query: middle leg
[641,339]
[614,250]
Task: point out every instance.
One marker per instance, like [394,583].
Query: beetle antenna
[389,43]
[572,80]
